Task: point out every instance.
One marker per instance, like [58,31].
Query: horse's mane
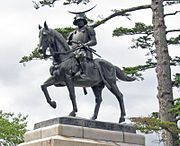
[61,39]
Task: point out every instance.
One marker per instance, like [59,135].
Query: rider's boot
[84,70]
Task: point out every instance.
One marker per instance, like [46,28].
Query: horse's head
[54,42]
[46,39]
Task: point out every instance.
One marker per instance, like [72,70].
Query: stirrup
[82,75]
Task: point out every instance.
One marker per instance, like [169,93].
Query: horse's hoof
[93,117]
[72,114]
[122,119]
[53,104]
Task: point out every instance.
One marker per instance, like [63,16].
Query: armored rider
[83,37]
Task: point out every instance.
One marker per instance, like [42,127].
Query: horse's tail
[121,75]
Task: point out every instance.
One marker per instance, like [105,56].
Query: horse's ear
[46,26]
[40,27]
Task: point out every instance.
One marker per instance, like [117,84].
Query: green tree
[12,128]
[154,124]
[153,38]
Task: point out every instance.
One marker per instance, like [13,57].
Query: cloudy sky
[20,86]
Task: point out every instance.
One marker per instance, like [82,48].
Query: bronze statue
[100,73]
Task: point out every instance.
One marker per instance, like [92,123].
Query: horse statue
[101,72]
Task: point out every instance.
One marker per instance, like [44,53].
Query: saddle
[87,71]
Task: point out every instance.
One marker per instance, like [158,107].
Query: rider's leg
[82,67]
[83,63]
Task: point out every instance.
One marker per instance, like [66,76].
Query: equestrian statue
[73,65]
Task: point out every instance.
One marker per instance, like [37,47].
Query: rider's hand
[86,45]
[80,45]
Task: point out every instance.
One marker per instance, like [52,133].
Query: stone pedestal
[68,131]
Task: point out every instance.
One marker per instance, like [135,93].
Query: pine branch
[67,2]
[136,71]
[139,28]
[174,40]
[173,30]
[169,14]
[120,13]
[171,2]
[151,124]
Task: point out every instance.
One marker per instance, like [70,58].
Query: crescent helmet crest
[82,11]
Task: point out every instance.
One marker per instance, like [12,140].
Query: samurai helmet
[81,15]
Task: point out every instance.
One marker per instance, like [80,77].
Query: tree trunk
[165,95]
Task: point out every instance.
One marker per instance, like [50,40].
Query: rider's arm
[92,37]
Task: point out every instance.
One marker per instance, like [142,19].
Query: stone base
[59,134]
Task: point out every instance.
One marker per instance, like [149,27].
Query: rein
[70,51]
[73,50]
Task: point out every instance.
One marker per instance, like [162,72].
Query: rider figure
[84,37]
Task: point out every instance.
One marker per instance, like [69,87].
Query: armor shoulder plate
[91,31]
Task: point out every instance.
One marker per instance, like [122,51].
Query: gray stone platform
[86,123]
[68,131]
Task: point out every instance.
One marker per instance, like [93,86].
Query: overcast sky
[20,86]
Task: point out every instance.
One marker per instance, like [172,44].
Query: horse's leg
[46,84]
[72,95]
[98,99]
[114,89]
